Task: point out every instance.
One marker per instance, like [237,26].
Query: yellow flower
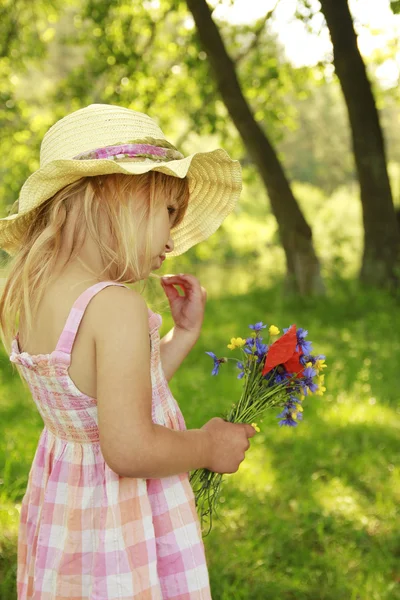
[255,427]
[273,330]
[236,343]
[302,396]
[320,364]
[299,408]
[320,391]
[294,415]
[309,364]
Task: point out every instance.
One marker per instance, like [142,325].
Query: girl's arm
[131,443]
[174,347]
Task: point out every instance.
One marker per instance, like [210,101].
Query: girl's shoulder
[121,309]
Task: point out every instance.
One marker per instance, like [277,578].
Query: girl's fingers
[185,279]
[189,283]
[172,293]
[173,277]
[175,285]
[176,280]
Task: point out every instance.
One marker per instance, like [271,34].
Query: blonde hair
[112,209]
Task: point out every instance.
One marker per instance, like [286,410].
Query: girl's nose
[170,245]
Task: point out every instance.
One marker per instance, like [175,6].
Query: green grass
[312,513]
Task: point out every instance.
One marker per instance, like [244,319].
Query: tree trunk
[381,258]
[303,271]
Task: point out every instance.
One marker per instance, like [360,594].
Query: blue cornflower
[260,347]
[307,381]
[301,334]
[306,347]
[240,365]
[309,373]
[250,343]
[286,415]
[258,326]
[290,405]
[260,350]
[286,411]
[279,377]
[217,362]
[313,387]
[293,400]
[288,421]
[305,358]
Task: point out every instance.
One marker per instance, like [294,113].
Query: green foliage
[142,55]
[337,227]
[395,6]
[26,29]
[147,56]
[317,149]
[249,236]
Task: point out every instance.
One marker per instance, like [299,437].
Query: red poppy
[283,352]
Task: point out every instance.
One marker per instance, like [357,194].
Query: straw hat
[101,139]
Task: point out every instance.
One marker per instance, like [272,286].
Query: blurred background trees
[215,82]
[381,233]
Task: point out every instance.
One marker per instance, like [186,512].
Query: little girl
[109,512]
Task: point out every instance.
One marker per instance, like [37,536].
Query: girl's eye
[172,210]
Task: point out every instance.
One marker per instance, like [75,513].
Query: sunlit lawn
[313,511]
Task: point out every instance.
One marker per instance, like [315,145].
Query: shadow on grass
[326,528]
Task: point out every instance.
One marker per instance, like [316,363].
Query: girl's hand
[228,443]
[188,310]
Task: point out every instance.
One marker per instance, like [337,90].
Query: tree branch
[153,27]
[257,35]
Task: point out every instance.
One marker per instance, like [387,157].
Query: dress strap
[68,334]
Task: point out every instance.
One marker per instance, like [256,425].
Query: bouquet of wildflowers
[280,373]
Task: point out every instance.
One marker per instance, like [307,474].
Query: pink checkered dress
[85,532]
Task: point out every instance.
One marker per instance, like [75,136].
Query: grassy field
[312,513]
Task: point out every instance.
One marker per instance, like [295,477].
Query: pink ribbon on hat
[125,151]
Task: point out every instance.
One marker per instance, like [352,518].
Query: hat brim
[215,184]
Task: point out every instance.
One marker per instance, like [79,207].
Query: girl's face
[164,220]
